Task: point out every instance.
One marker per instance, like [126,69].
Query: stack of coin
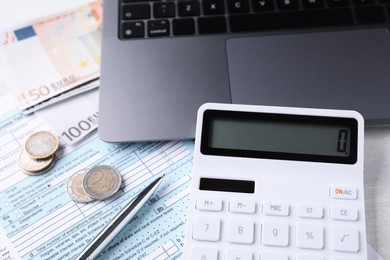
[98,183]
[38,154]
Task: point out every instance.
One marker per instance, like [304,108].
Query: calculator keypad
[276,209]
[274,256]
[345,239]
[309,257]
[240,231]
[204,253]
[344,213]
[310,211]
[207,229]
[277,224]
[207,204]
[309,236]
[238,254]
[242,206]
[275,233]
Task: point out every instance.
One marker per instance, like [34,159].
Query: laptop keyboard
[165,18]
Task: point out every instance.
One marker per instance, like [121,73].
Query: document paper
[38,219]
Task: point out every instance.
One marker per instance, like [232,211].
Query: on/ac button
[343,192]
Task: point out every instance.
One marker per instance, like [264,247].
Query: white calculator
[276,183]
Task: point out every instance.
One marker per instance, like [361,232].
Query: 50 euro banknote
[52,56]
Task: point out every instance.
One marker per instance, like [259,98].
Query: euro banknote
[52,56]
[72,127]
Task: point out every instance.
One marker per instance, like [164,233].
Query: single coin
[75,187]
[34,167]
[41,145]
[101,182]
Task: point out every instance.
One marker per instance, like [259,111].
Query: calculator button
[309,211]
[242,206]
[309,257]
[309,236]
[344,213]
[345,239]
[206,229]
[343,192]
[209,204]
[204,253]
[240,231]
[238,255]
[273,256]
[275,233]
[276,209]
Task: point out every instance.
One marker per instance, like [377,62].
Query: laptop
[162,59]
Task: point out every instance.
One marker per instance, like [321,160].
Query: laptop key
[158,28]
[189,8]
[238,6]
[132,30]
[263,5]
[282,20]
[364,2]
[313,3]
[212,24]
[334,3]
[183,26]
[164,10]
[370,14]
[211,7]
[288,4]
[137,11]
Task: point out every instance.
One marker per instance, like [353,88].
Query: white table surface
[377,139]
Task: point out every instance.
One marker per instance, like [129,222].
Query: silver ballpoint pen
[118,222]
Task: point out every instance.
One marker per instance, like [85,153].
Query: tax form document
[38,220]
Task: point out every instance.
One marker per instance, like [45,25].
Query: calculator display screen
[225,185]
[280,136]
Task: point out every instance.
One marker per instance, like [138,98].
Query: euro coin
[34,167]
[41,145]
[101,182]
[75,187]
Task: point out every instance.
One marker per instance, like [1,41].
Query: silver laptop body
[152,86]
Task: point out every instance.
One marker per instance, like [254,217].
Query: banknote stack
[98,183]
[38,154]
[53,58]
